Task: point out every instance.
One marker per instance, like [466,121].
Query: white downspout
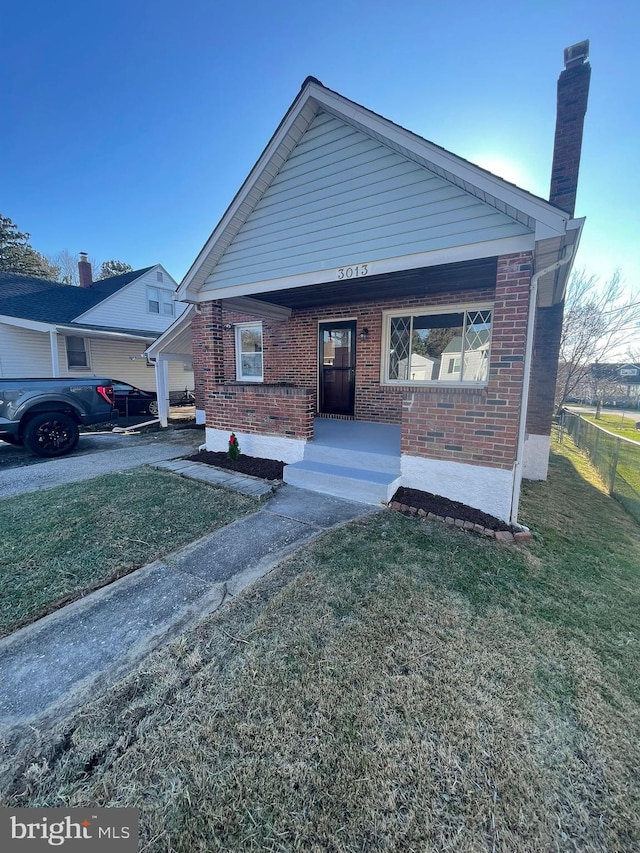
[528,357]
[162,389]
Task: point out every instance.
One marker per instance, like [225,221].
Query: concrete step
[347,457]
[356,484]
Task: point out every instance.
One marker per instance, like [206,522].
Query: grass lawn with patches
[60,543]
[396,685]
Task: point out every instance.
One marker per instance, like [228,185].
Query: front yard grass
[619,424]
[396,685]
[60,543]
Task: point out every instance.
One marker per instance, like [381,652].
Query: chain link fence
[616,459]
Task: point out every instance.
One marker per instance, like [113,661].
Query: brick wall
[469,425]
[262,409]
[479,426]
[544,369]
[208,359]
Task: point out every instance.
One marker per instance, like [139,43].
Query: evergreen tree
[110,268]
[18,256]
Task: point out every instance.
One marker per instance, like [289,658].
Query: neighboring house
[355,249]
[609,383]
[101,328]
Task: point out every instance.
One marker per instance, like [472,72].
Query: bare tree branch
[599,322]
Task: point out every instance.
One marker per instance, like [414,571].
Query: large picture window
[450,347]
[249,352]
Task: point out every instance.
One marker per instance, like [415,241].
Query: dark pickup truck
[45,414]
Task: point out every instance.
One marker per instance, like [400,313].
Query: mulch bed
[265,469]
[438,505]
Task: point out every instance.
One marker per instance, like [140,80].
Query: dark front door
[337,367]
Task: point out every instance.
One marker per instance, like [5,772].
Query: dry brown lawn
[395,686]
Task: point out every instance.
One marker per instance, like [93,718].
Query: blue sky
[127,127]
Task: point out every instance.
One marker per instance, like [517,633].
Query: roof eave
[553,286]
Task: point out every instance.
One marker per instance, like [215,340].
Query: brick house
[376,311]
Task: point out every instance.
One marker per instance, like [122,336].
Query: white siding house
[48,329]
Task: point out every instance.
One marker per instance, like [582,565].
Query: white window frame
[87,352]
[459,308]
[237,331]
[163,298]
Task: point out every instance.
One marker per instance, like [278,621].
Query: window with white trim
[160,301]
[450,347]
[249,352]
[77,353]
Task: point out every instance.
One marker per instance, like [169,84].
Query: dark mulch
[265,469]
[443,506]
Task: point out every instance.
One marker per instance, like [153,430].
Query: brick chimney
[84,271]
[573,92]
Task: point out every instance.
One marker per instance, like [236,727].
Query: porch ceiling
[450,278]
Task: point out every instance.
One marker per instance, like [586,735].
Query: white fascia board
[27,324]
[488,249]
[166,339]
[87,331]
[537,209]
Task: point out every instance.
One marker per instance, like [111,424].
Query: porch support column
[55,363]
[208,357]
[162,389]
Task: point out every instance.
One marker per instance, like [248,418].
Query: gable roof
[550,230]
[52,302]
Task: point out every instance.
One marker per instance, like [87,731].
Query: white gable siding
[343,198]
[24,353]
[129,307]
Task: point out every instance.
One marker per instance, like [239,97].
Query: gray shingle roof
[51,302]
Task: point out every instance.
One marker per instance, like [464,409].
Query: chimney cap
[83,256]
[577,54]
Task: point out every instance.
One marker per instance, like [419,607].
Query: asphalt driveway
[97,453]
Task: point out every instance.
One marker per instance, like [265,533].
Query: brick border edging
[523,535]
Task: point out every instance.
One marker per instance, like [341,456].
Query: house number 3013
[353,272]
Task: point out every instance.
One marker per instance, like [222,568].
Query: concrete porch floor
[364,436]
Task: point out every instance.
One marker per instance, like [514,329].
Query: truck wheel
[51,434]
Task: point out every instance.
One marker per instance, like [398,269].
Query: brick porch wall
[262,409]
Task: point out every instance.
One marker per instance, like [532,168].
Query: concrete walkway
[62,660]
